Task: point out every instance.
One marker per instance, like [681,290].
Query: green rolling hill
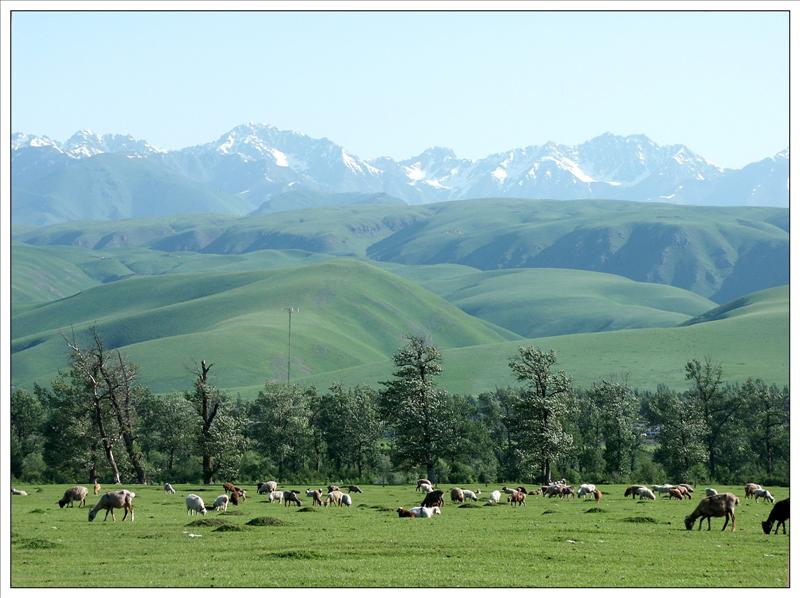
[350,313]
[751,343]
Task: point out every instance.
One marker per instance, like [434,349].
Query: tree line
[95,420]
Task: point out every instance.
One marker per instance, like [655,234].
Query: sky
[393,84]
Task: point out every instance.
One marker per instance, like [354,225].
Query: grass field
[547,543]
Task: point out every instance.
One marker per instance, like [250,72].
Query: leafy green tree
[27,419]
[417,413]
[587,431]
[766,410]
[681,434]
[169,426]
[353,427]
[495,411]
[618,418]
[279,426]
[539,412]
[711,399]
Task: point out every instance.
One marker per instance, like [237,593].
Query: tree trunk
[430,472]
[208,474]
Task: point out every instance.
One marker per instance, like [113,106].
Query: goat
[355,489]
[75,493]
[423,481]
[117,499]
[195,504]
[517,498]
[762,493]
[290,496]
[234,492]
[435,498]
[96,487]
[404,513]
[457,495]
[168,488]
[494,497]
[711,492]
[714,506]
[221,503]
[779,513]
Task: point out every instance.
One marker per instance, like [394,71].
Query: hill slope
[350,313]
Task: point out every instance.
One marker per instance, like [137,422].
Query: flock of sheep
[713,504]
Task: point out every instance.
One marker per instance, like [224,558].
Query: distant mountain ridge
[253,163]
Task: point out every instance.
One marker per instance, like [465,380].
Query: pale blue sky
[396,83]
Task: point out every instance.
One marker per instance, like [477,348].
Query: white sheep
[168,488]
[471,495]
[426,488]
[195,504]
[711,492]
[116,499]
[586,489]
[662,488]
[275,496]
[266,487]
[221,503]
[426,512]
[494,497]
[645,493]
[762,493]
[347,500]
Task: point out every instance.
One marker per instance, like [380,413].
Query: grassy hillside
[720,253]
[304,199]
[350,313]
[752,343]
[536,302]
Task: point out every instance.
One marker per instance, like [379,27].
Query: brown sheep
[404,513]
[714,506]
[96,487]
[335,497]
[235,492]
[457,495]
[676,493]
[118,499]
[597,495]
[517,498]
[632,491]
[355,489]
[316,497]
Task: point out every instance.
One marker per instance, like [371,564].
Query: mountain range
[259,168]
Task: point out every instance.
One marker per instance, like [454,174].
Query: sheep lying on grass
[117,499]
[76,493]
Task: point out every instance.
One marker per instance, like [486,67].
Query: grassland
[547,543]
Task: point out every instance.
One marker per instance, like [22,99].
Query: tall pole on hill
[290,310]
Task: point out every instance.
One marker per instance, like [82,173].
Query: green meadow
[547,543]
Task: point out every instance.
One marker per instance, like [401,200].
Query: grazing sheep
[714,506]
[346,500]
[494,497]
[267,487]
[117,499]
[434,498]
[290,496]
[426,488]
[522,489]
[234,492]
[423,481]
[168,488]
[355,489]
[75,493]
[469,494]
[16,492]
[96,487]
[749,490]
[632,490]
[711,492]
[675,493]
[335,497]
[687,486]
[518,498]
[662,488]
[779,513]
[643,493]
[508,490]
[275,496]
[597,495]
[332,488]
[763,493]
[685,492]
[567,491]
[404,513]
[457,495]
[221,503]
[316,497]
[586,490]
[195,505]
